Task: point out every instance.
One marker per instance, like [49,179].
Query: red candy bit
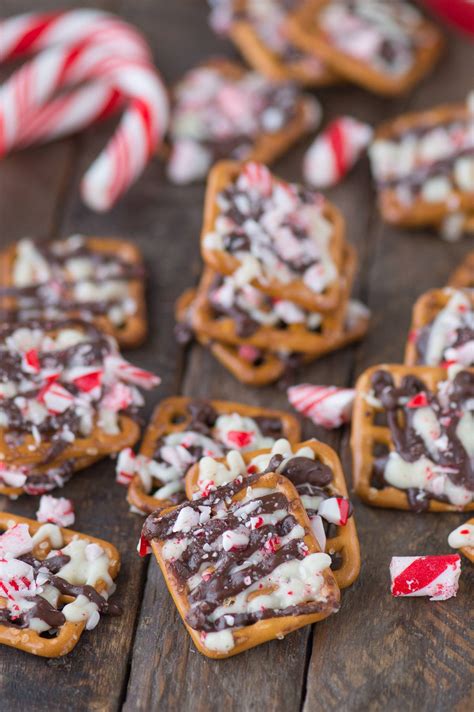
[272,545]
[413,336]
[144,547]
[257,522]
[418,401]
[251,469]
[343,509]
[465,531]
[249,353]
[31,362]
[240,438]
[89,381]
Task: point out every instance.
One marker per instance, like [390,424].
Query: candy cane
[105,50]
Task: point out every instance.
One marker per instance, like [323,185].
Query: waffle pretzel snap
[68,399]
[96,278]
[320,267]
[54,584]
[236,603]
[442,328]
[259,32]
[422,166]
[316,472]
[200,427]
[195,150]
[297,336]
[358,41]
[411,438]
[463,276]
[258,367]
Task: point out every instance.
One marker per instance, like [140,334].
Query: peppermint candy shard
[126,466]
[335,510]
[143,547]
[327,406]
[16,541]
[56,510]
[433,576]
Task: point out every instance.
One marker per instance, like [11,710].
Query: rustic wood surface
[377,653]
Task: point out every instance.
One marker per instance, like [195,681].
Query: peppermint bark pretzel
[316,472]
[68,399]
[54,584]
[386,47]
[230,313]
[87,277]
[259,367]
[182,430]
[462,538]
[282,238]
[412,436]
[221,110]
[423,167]
[259,31]
[463,276]
[237,585]
[442,328]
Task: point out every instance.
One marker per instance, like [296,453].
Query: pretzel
[67,401]
[442,328]
[432,490]
[265,146]
[57,292]
[339,542]
[355,46]
[49,538]
[463,276]
[258,367]
[225,175]
[173,415]
[466,532]
[245,626]
[414,186]
[259,32]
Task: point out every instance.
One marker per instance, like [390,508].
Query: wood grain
[377,653]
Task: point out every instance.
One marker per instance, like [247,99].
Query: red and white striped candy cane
[105,50]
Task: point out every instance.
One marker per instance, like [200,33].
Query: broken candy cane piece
[126,466]
[16,578]
[11,476]
[327,406]
[335,151]
[16,541]
[317,527]
[56,398]
[130,374]
[462,536]
[433,576]
[57,510]
[335,510]
[143,547]
[118,398]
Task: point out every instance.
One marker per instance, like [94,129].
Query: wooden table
[377,653]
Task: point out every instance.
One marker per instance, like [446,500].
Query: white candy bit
[93,552]
[335,151]
[327,406]
[11,476]
[118,398]
[189,161]
[235,539]
[186,520]
[56,398]
[125,468]
[56,510]
[318,531]
[334,510]
[125,371]
[16,541]
[16,579]
[434,576]
[462,536]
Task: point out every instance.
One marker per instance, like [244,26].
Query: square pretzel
[345,542]
[307,32]
[113,251]
[272,64]
[69,633]
[267,367]
[425,311]
[463,276]
[367,435]
[223,175]
[418,211]
[267,627]
[20,449]
[267,147]
[173,416]
[293,337]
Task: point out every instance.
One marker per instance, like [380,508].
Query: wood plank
[379,653]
